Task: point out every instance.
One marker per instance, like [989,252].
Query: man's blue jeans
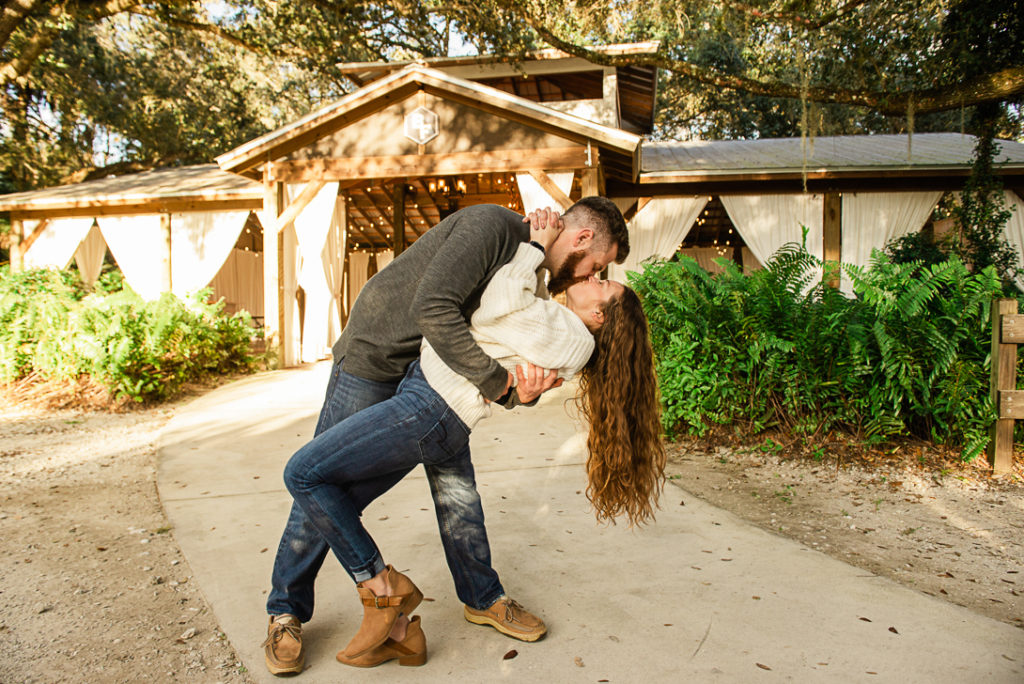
[369,436]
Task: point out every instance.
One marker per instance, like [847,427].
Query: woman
[601,333]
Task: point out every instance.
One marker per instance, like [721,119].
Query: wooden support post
[17,255]
[272,328]
[589,182]
[550,187]
[282,303]
[398,218]
[165,228]
[832,237]
[1004,379]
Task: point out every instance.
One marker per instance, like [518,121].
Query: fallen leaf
[756,598]
[101,548]
[578,661]
[893,630]
[864,619]
[510,655]
[263,550]
[763,667]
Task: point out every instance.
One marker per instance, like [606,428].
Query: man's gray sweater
[431,290]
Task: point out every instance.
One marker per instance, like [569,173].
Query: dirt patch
[94,585]
[949,531]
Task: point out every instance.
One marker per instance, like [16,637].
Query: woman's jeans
[369,436]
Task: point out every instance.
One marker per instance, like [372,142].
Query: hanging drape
[139,246]
[750,262]
[57,242]
[536,197]
[200,243]
[89,255]
[657,230]
[358,267]
[1013,231]
[311,228]
[240,283]
[872,219]
[705,257]
[333,257]
[766,222]
[384,257]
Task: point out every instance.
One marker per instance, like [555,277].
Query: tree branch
[995,87]
[795,19]
[16,68]
[14,13]
[200,27]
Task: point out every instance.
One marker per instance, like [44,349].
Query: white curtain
[705,257]
[766,222]
[536,197]
[312,227]
[333,257]
[89,255]
[871,219]
[57,242]
[200,243]
[240,282]
[358,266]
[657,230]
[1013,231]
[384,257]
[139,247]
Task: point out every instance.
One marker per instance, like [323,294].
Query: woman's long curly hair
[618,394]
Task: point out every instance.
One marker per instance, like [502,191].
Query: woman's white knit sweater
[515,323]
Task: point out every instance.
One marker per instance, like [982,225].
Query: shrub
[136,349]
[906,357]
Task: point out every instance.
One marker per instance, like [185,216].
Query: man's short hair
[602,216]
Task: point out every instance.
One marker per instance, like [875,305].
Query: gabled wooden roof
[400,85]
[170,189]
[681,161]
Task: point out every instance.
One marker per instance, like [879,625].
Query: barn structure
[290,225]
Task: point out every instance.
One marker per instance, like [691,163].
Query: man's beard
[564,276]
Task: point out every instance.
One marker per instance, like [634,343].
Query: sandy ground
[950,531]
[95,587]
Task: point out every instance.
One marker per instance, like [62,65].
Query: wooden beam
[272,325]
[398,218]
[451,164]
[27,243]
[1011,404]
[385,212]
[16,251]
[551,188]
[832,237]
[293,210]
[384,238]
[1013,329]
[125,207]
[165,228]
[1003,379]
[589,184]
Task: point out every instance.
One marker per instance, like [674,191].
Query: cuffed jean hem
[371,570]
[490,602]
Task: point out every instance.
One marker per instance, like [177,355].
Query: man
[430,291]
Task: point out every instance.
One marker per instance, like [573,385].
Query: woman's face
[587,299]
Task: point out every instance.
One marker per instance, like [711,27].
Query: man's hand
[535,381]
[545,226]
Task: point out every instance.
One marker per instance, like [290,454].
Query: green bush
[139,350]
[908,356]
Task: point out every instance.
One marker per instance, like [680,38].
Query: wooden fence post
[1007,332]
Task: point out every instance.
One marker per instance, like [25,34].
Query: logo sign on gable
[421,125]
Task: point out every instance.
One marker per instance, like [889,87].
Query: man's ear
[583,239]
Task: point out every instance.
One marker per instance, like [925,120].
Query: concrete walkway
[700,596]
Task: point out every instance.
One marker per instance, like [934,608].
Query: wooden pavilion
[332,197]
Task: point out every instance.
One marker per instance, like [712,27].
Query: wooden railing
[1007,333]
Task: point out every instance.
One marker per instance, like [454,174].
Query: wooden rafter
[34,235]
[383,236]
[293,210]
[551,188]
